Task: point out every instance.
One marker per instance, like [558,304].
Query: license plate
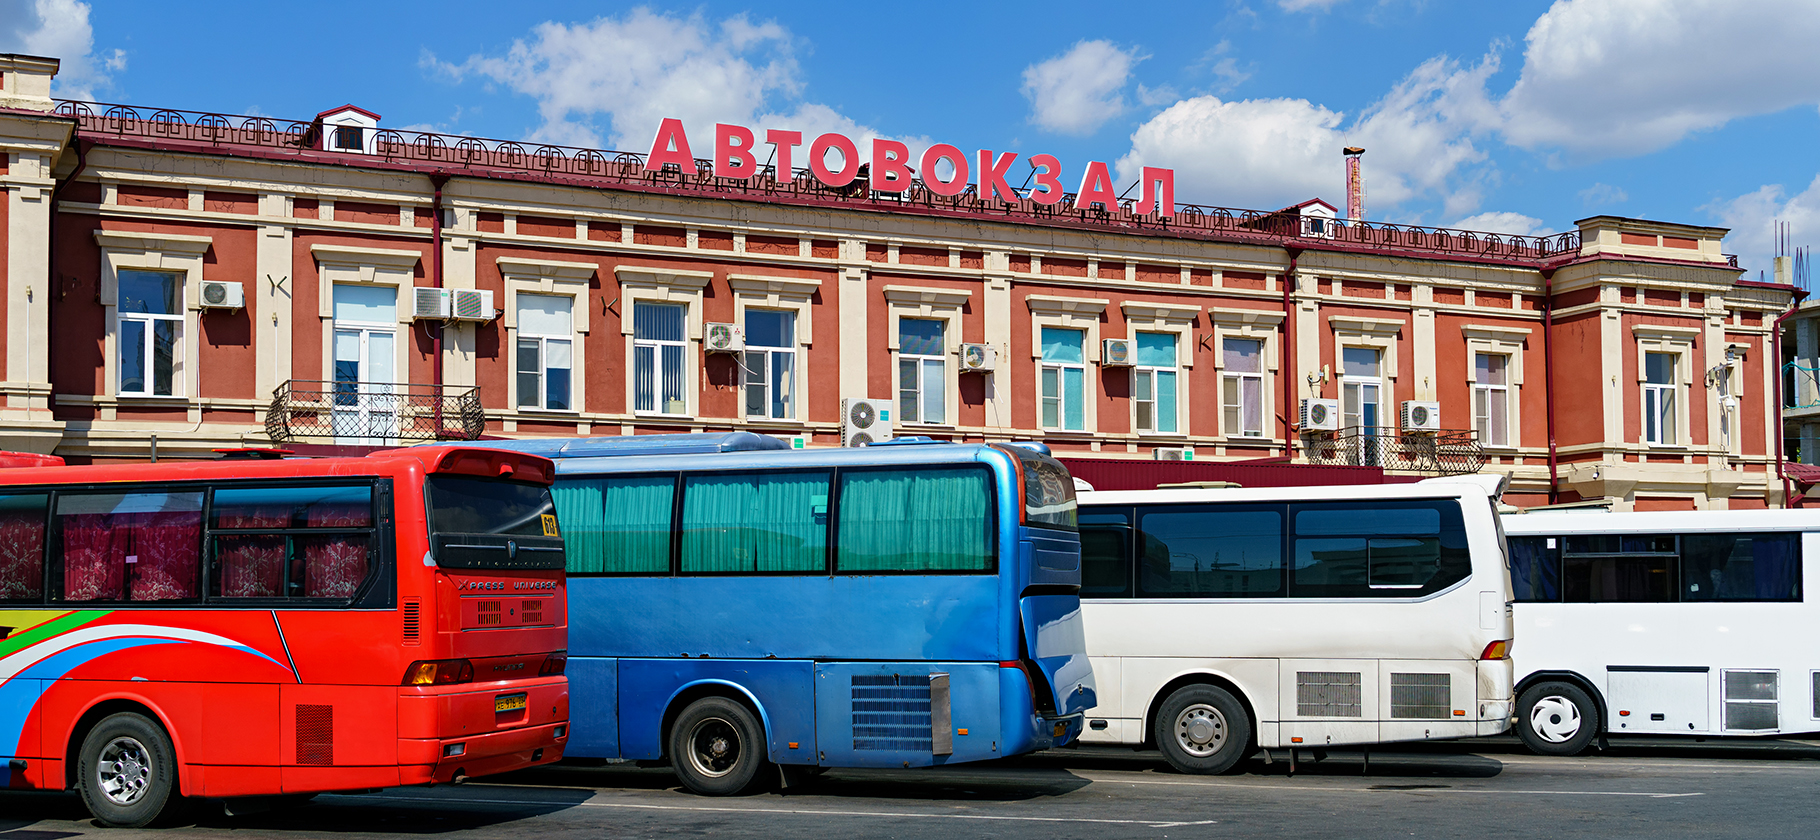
[510,702]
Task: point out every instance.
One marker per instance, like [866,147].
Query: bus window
[478,523]
[635,540]
[1105,554]
[1635,568]
[130,546]
[22,546]
[1535,569]
[300,542]
[1741,567]
[1223,551]
[755,523]
[1048,489]
[1378,549]
[930,519]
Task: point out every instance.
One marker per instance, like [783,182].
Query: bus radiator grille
[315,733]
[1328,694]
[1750,701]
[892,712]
[1422,696]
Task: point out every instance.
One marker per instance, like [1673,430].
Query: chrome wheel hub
[1200,730]
[124,771]
[714,747]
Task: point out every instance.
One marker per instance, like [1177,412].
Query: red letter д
[1096,187]
[671,134]
[1159,192]
[731,159]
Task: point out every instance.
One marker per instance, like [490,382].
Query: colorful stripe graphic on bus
[38,647]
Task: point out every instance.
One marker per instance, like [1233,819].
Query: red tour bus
[278,627]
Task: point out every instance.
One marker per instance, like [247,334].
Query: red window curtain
[334,566]
[166,545]
[252,565]
[94,553]
[21,554]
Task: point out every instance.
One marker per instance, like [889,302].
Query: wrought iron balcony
[1445,452]
[372,413]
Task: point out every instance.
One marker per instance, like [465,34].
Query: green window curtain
[635,541]
[915,521]
[755,522]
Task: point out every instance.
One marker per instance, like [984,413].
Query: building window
[1242,386]
[1659,398]
[151,325]
[922,381]
[348,137]
[1153,383]
[770,364]
[1360,383]
[546,352]
[1064,379]
[658,346]
[1491,398]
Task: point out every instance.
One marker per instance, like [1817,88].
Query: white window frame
[1238,378]
[1677,342]
[788,294]
[1069,314]
[1251,325]
[929,303]
[923,387]
[1498,340]
[1061,386]
[1177,320]
[771,354]
[664,286]
[558,279]
[164,253]
[147,352]
[389,267]
[1482,392]
[1152,371]
[543,342]
[1654,395]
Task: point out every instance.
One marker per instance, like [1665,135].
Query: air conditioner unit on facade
[1420,416]
[1174,453]
[864,421]
[978,358]
[723,338]
[218,294]
[1116,352]
[1320,415]
[429,304]
[472,305]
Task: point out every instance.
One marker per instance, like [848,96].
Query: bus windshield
[1048,490]
[487,523]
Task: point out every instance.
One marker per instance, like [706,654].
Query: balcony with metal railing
[1445,452]
[372,413]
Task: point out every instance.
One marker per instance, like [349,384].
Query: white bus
[1219,620]
[1684,623]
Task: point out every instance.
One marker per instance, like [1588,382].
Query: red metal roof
[1132,474]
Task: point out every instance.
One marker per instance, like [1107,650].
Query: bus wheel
[717,747]
[1557,718]
[1202,729]
[127,771]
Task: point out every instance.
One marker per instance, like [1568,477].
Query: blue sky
[1513,116]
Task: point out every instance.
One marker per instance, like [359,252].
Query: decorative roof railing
[477,157]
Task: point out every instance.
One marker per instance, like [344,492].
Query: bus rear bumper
[1061,730]
[443,760]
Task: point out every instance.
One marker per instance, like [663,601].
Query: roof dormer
[349,129]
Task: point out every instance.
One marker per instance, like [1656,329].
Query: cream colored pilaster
[271,289]
[458,357]
[28,290]
[1611,369]
[1422,325]
[855,350]
[1307,338]
[998,334]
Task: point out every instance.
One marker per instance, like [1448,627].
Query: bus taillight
[1499,649]
[439,672]
[554,664]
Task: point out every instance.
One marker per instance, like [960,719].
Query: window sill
[1250,440]
[654,415]
[1666,447]
[1169,436]
[550,412]
[154,401]
[941,427]
[776,421]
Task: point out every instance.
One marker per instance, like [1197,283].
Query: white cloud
[1752,219]
[1504,221]
[1307,5]
[60,29]
[1078,91]
[1268,153]
[1602,194]
[1626,77]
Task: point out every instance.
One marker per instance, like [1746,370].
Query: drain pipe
[1288,367]
[1548,378]
[437,180]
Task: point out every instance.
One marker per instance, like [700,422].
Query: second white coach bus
[1220,620]
[1658,623]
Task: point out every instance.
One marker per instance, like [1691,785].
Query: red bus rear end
[255,628]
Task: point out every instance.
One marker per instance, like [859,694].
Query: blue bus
[736,605]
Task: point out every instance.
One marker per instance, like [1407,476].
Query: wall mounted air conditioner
[978,358]
[797,441]
[219,294]
[1116,352]
[1320,415]
[1174,453]
[723,338]
[1421,416]
[472,305]
[429,304]
[864,421]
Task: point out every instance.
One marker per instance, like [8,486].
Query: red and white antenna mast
[1355,184]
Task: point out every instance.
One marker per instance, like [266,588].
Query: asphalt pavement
[1477,789]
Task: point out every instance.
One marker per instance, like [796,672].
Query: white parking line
[814,812]
[1270,786]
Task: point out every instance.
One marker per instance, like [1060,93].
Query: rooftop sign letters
[734,157]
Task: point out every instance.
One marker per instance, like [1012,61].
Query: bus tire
[127,771]
[1557,718]
[717,747]
[1202,729]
